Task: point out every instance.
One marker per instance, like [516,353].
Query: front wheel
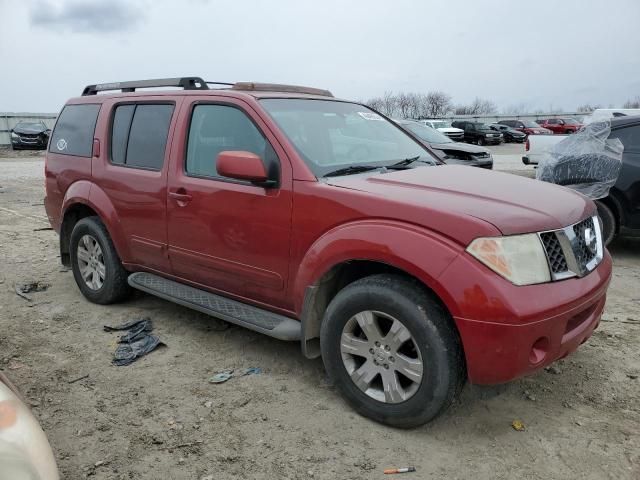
[392,351]
[95,263]
[480,141]
[608,220]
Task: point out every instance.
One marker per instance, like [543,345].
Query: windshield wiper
[351,169]
[410,160]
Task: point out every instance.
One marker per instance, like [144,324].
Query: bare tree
[437,104]
[478,107]
[375,103]
[405,105]
[635,103]
[389,104]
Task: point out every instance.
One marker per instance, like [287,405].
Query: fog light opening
[539,350]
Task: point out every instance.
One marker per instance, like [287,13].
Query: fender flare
[415,250]
[87,193]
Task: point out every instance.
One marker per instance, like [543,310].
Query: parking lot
[161,414]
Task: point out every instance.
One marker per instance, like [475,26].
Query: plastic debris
[135,343]
[22,289]
[225,375]
[587,161]
[518,426]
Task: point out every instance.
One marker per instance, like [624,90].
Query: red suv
[318,220]
[560,125]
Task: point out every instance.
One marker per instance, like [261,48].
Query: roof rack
[276,87]
[197,83]
[187,83]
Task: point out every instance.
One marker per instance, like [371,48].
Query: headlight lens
[14,135]
[519,258]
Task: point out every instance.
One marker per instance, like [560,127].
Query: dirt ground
[161,418]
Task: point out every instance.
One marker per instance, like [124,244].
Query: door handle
[181,196]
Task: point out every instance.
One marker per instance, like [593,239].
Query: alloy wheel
[91,262]
[381,356]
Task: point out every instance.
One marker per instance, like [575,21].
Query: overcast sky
[537,54]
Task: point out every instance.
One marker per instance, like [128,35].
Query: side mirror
[243,165]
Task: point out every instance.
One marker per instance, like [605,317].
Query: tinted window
[216,128]
[148,136]
[120,133]
[73,133]
[629,136]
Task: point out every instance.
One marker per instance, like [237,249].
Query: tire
[480,141]
[113,286]
[609,223]
[433,342]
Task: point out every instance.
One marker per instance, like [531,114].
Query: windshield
[482,126]
[29,125]
[331,135]
[426,133]
[530,124]
[570,121]
[440,124]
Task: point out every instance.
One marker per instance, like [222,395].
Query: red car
[526,126]
[560,125]
[318,220]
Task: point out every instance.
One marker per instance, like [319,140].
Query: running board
[253,318]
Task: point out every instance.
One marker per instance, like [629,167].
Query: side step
[232,311]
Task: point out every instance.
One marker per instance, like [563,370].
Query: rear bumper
[509,331]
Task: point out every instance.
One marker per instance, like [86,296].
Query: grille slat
[555,255]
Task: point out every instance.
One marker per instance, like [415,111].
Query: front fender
[412,249]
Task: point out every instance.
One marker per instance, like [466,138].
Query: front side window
[330,135]
[74,130]
[218,128]
[139,135]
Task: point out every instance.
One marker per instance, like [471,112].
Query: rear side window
[139,135]
[74,130]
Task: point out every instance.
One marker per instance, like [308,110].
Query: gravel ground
[160,418]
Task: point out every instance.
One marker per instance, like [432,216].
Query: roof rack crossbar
[187,83]
[276,87]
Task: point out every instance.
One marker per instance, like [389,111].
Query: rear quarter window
[74,130]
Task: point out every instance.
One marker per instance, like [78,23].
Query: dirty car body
[30,135]
[314,219]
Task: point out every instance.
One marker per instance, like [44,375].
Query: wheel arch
[82,200]
[338,259]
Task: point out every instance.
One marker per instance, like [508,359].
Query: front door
[224,234]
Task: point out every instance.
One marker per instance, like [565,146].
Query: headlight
[519,258]
[14,135]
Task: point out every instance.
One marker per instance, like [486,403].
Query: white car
[455,134]
[537,146]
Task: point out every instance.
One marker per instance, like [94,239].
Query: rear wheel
[96,266]
[392,351]
[608,220]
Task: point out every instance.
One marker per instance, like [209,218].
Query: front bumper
[509,331]
[24,144]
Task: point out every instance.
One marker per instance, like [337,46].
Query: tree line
[427,105]
[439,104]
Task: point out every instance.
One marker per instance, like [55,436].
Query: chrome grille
[575,250]
[555,255]
[583,254]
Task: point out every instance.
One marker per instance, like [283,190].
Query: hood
[460,147]
[30,130]
[449,194]
[450,130]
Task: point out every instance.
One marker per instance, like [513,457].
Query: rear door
[133,175]
[225,234]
